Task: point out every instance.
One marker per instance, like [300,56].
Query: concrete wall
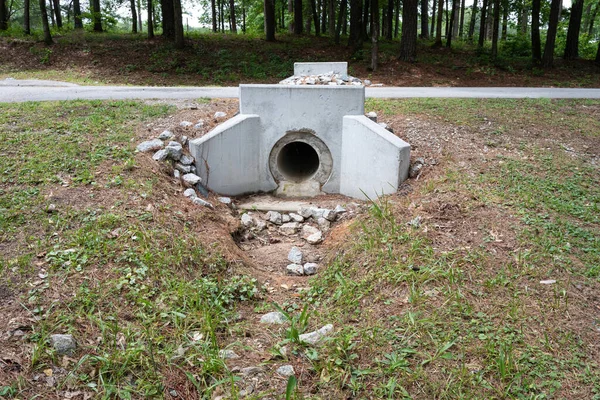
[374,161]
[292,108]
[227,157]
[318,68]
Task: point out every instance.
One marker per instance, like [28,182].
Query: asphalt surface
[13,90]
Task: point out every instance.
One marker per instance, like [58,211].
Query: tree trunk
[424,18]
[598,56]
[489,24]
[297,17]
[150,20]
[232,14]
[45,25]
[213,11]
[495,29]
[57,13]
[139,15]
[315,15]
[178,19]
[222,14]
[77,15]
[473,18]
[572,47]
[345,23]
[446,25]
[341,17]
[389,19]
[548,57]
[397,17]
[438,27]
[481,39]
[26,18]
[167,8]
[462,19]
[323,16]
[452,25]
[97,15]
[504,19]
[374,33]
[51,10]
[365,21]
[270,20]
[591,27]
[331,18]
[355,36]
[3,15]
[455,15]
[536,43]
[133,17]
[433,19]
[408,40]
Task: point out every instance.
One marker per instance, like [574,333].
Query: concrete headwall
[374,161]
[318,68]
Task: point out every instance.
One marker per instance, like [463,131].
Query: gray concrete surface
[12,90]
[316,68]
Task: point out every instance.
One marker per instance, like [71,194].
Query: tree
[408,41]
[389,19]
[26,18]
[315,15]
[424,19]
[3,16]
[451,30]
[139,14]
[77,15]
[97,15]
[45,24]
[462,19]
[504,19]
[572,46]
[374,33]
[484,7]
[213,9]
[536,43]
[150,20]
[269,20]
[57,13]
[178,19]
[473,18]
[341,17]
[433,14]
[495,29]
[355,36]
[233,25]
[548,57]
[598,56]
[438,27]
[133,16]
[298,17]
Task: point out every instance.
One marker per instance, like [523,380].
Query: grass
[451,307]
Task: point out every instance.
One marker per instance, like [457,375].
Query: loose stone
[174,150]
[296,217]
[261,225]
[295,255]
[150,145]
[224,200]
[165,135]
[315,238]
[285,370]
[160,155]
[274,217]
[220,114]
[323,224]
[228,354]
[273,318]
[316,336]
[386,126]
[199,125]
[329,215]
[191,179]
[339,209]
[198,201]
[184,140]
[308,230]
[186,169]
[416,167]
[189,192]
[63,344]
[176,174]
[289,228]
[185,124]
[372,116]
[310,268]
[250,371]
[247,220]
[186,160]
[285,218]
[295,269]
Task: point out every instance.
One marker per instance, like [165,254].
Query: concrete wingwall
[374,161]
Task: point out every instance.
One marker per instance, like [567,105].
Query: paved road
[12,90]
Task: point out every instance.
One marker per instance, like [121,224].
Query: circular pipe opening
[298,161]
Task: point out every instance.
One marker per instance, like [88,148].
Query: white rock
[184,140]
[289,228]
[339,209]
[329,215]
[310,268]
[228,354]
[224,200]
[63,344]
[261,225]
[174,150]
[185,124]
[274,217]
[273,318]
[548,282]
[247,220]
[296,217]
[199,125]
[316,336]
[189,193]
[372,115]
[295,255]
[367,82]
[315,238]
[186,160]
[191,179]
[308,230]
[150,145]
[295,269]
[220,114]
[286,370]
[323,224]
[198,201]
[186,169]
[285,218]
[176,174]
[160,155]
[165,135]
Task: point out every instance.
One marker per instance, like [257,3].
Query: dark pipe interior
[298,161]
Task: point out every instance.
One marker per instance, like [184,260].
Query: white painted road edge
[12,91]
